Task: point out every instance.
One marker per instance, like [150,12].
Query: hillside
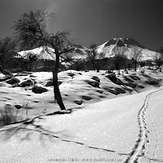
[124,129]
[33,92]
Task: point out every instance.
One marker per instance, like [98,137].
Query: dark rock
[39,89]
[132,85]
[71,74]
[79,102]
[32,76]
[111,90]
[114,79]
[120,90]
[86,98]
[13,81]
[49,83]
[101,96]
[140,86]
[153,81]
[128,79]
[26,83]
[35,101]
[18,106]
[100,91]
[93,83]
[96,78]
[134,77]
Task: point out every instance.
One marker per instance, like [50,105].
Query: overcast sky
[94,21]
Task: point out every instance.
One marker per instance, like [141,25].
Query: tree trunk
[93,65]
[135,65]
[57,93]
[2,62]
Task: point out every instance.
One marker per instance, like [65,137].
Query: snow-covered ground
[122,129]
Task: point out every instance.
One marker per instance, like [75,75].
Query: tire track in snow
[139,148]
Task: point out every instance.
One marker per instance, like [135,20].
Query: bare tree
[120,62]
[159,59]
[30,29]
[31,32]
[92,54]
[61,46]
[7,50]
[136,56]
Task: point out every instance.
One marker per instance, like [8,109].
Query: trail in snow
[139,148]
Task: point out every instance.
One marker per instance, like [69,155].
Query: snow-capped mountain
[116,46]
[40,53]
[125,46]
[79,52]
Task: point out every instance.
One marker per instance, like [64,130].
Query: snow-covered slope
[125,129]
[78,89]
[79,52]
[40,53]
[127,47]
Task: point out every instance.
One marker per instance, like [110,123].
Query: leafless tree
[7,50]
[92,56]
[31,32]
[136,56]
[159,59]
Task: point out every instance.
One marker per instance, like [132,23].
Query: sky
[93,21]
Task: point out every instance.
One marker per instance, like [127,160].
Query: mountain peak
[125,41]
[125,46]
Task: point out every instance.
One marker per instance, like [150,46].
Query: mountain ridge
[116,46]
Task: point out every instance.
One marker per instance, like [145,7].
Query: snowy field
[105,129]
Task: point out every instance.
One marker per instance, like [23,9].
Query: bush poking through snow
[71,74]
[78,102]
[39,89]
[152,81]
[13,81]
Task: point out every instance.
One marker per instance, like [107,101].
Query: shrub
[39,89]
[8,115]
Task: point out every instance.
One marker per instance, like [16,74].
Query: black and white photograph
[81,81]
